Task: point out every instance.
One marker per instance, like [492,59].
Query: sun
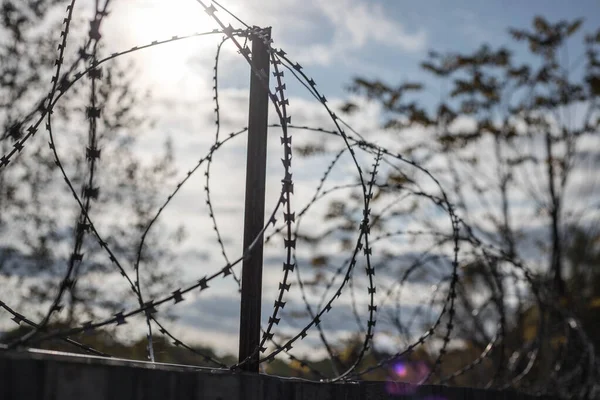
[141,22]
[160,19]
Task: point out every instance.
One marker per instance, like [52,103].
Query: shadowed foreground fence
[37,375]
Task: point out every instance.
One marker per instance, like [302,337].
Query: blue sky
[387,39]
[340,39]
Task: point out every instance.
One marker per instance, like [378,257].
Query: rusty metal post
[254,213]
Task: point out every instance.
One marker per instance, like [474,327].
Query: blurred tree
[46,242]
[514,141]
[538,115]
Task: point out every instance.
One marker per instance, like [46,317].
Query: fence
[503,361]
[65,377]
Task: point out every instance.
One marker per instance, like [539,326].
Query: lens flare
[400,369]
[405,378]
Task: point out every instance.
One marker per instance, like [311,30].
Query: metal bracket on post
[254,212]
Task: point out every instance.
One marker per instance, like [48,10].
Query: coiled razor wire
[571,379]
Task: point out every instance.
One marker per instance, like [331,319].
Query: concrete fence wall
[43,375]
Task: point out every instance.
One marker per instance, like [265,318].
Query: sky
[341,39]
[334,41]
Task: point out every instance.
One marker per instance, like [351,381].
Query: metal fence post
[254,213]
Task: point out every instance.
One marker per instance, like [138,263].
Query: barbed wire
[446,321]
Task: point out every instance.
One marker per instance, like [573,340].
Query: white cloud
[358,23]
[337,29]
[319,32]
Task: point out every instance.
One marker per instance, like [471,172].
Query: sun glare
[156,20]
